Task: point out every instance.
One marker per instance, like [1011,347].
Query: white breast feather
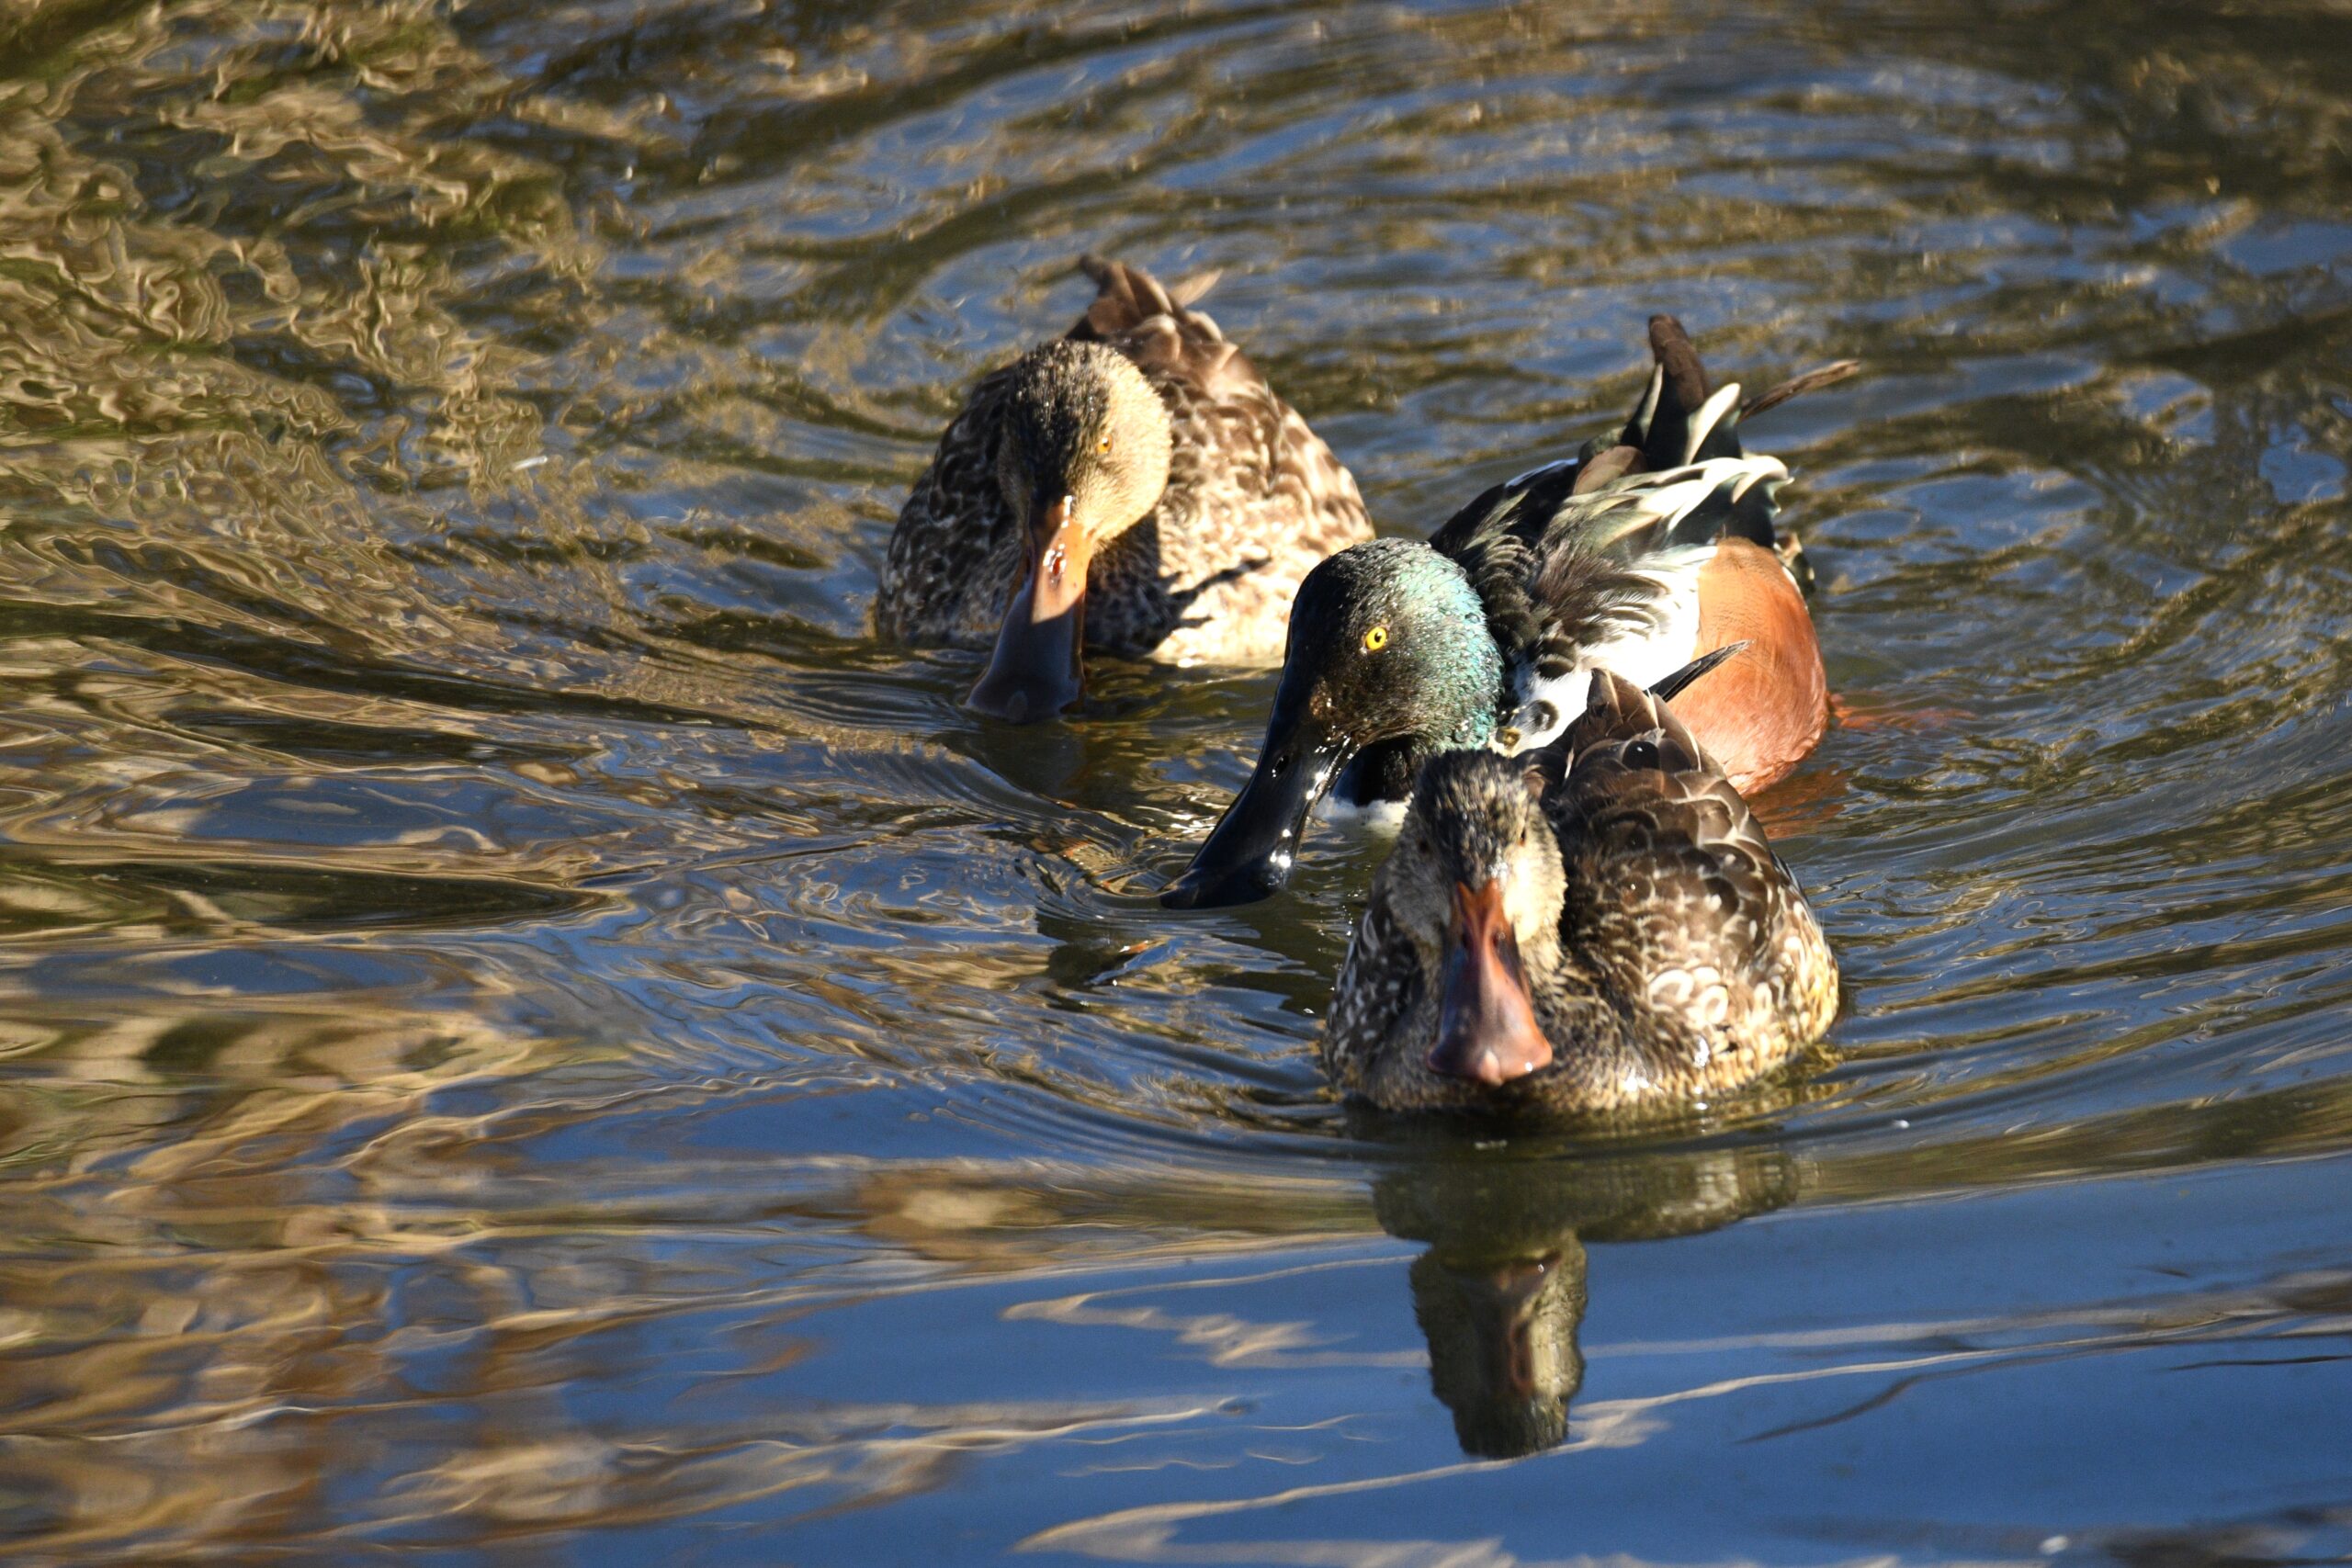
[1641,653]
[1376,816]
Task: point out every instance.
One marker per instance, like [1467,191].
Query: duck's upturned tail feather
[1679,422]
[1681,418]
[1811,380]
[1629,725]
[1128,296]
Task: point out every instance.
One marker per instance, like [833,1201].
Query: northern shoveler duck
[1134,486]
[1598,928]
[1637,555]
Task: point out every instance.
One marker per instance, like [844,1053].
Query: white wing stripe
[1703,422]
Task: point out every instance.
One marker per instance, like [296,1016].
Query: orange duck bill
[1034,672]
[1486,1031]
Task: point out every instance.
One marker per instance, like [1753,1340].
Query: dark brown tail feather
[1673,686]
[1682,388]
[1811,380]
[1619,711]
[1129,297]
[1686,378]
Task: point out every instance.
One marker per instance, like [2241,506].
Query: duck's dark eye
[1641,754]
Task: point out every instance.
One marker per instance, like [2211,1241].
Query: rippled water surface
[528,1038]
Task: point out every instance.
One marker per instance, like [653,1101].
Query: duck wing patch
[1616,573]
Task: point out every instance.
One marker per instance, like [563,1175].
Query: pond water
[528,1038]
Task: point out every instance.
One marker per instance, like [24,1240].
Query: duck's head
[1388,642]
[1081,455]
[1475,883]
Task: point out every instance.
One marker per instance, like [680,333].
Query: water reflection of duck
[1647,550]
[1501,1293]
[1134,486]
[1625,941]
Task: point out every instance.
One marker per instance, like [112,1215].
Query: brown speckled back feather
[1253,501]
[1677,902]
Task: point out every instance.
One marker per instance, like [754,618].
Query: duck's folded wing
[1681,419]
[1677,421]
[1614,581]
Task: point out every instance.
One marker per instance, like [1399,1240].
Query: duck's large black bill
[1035,672]
[1249,853]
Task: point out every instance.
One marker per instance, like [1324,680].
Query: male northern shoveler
[1600,927]
[1134,486]
[1633,556]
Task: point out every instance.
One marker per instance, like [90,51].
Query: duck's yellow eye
[1103,444]
[1376,640]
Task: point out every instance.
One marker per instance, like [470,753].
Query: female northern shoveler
[1632,558]
[1600,927]
[1134,486]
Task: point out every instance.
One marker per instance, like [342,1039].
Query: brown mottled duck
[1599,926]
[1134,486]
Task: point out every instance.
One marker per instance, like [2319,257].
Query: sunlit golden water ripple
[528,1039]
